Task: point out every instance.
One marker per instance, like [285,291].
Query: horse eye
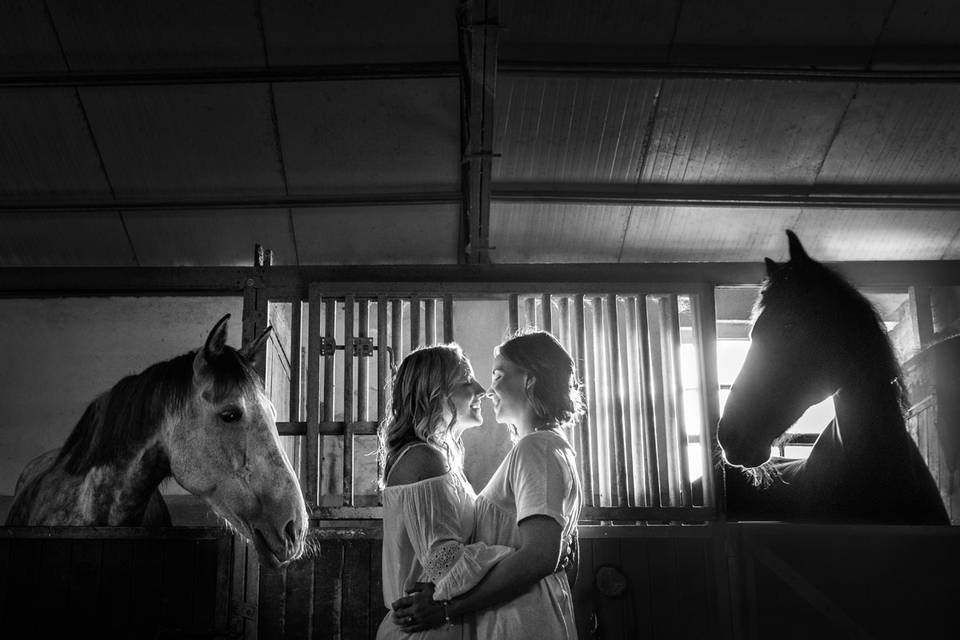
[231,415]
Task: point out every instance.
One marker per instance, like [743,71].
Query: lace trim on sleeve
[442,558]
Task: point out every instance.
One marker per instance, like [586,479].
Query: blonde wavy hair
[421,391]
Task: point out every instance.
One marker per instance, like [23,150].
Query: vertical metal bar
[396,329]
[683,446]
[414,323]
[363,363]
[448,318]
[513,307]
[531,309]
[617,422]
[648,428]
[329,373]
[705,328]
[633,402]
[922,316]
[546,312]
[349,354]
[312,462]
[563,324]
[669,328]
[598,432]
[584,451]
[430,321]
[382,361]
[296,373]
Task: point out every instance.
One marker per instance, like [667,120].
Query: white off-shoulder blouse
[426,529]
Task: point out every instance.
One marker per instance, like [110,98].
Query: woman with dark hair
[532,503]
[428,505]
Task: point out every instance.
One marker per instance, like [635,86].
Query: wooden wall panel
[112,583]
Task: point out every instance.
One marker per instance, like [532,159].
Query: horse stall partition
[125,582]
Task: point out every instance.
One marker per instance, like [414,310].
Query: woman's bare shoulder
[417,464]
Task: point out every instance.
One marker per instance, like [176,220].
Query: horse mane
[818,296]
[120,421]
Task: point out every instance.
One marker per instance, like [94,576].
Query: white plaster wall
[61,353]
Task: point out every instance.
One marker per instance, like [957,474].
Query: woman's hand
[418,611]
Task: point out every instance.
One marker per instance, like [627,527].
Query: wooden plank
[383,361]
[585,460]
[378,609]
[635,561]
[329,390]
[513,308]
[177,571]
[622,461]
[255,313]
[530,306]
[85,573]
[26,600]
[299,599]
[651,514]
[311,464]
[430,321]
[349,358]
[328,589]
[115,585]
[224,554]
[356,589]
[696,595]
[611,611]
[665,598]
[584,593]
[251,593]
[296,385]
[546,311]
[922,316]
[53,573]
[448,318]
[6,578]
[272,604]
[205,591]
[414,323]
[363,363]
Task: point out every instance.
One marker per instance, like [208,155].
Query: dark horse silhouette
[813,336]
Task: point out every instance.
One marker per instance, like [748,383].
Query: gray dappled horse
[202,418]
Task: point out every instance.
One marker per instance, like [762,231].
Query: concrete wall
[61,353]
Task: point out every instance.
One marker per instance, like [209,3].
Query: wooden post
[448,318]
[430,321]
[349,355]
[584,450]
[705,332]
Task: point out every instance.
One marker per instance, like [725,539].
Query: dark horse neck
[868,462]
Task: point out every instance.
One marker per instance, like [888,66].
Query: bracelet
[446,616]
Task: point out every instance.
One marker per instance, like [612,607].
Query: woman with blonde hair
[428,505]
[532,503]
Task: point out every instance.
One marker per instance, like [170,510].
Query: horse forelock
[233,375]
[120,421]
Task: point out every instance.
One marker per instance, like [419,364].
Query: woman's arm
[540,548]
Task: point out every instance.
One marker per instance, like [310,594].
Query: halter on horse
[202,418]
[815,336]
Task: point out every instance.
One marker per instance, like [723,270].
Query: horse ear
[217,339]
[254,351]
[797,252]
[772,267]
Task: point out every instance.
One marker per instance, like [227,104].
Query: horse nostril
[291,533]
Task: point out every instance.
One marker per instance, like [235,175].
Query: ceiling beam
[201,204]
[844,196]
[426,70]
[478,280]
[479,37]
[678,72]
[238,75]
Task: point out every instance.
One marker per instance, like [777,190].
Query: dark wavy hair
[556,392]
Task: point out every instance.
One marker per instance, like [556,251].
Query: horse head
[791,361]
[225,449]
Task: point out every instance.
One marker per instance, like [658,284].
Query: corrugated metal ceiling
[610,126]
